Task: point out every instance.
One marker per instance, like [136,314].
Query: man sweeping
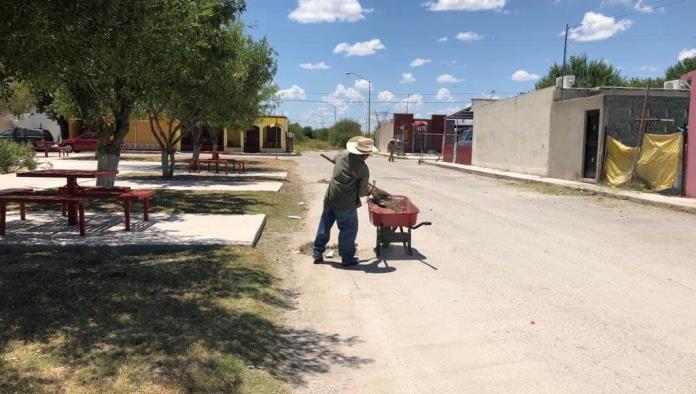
[349,182]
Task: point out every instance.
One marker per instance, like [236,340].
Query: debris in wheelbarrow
[394,222]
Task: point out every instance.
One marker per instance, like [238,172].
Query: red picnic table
[71,187]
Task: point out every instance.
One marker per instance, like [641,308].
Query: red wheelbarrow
[394,224]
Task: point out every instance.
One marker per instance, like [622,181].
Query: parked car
[31,136]
[87,141]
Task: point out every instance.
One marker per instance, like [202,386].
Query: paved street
[510,290]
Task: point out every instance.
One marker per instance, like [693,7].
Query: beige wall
[384,134]
[514,134]
[567,142]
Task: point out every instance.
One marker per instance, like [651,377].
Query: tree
[107,51]
[681,68]
[342,131]
[636,82]
[297,131]
[588,74]
[18,99]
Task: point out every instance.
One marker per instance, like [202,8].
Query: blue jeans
[347,221]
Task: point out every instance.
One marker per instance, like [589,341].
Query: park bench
[29,197]
[217,162]
[143,195]
[121,193]
[238,163]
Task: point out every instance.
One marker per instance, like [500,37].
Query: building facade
[416,135]
[559,133]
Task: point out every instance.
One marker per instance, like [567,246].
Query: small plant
[14,156]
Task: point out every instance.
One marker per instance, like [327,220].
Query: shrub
[14,156]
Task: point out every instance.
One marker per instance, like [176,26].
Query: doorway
[589,167]
[251,140]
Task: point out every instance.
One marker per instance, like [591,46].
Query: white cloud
[639,5]
[444,95]
[315,66]
[468,36]
[419,62]
[361,84]
[294,93]
[407,78]
[642,7]
[316,11]
[651,69]
[364,48]
[411,103]
[596,27]
[687,53]
[465,5]
[524,76]
[447,78]
[342,95]
[385,96]
[442,39]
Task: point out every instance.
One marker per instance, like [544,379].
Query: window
[35,134]
[272,137]
[7,133]
[87,136]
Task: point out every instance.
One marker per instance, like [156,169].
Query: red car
[86,141]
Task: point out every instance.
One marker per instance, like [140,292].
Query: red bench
[125,194]
[22,199]
[133,195]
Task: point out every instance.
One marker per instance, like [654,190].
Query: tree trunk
[166,173]
[108,161]
[172,154]
[109,152]
[196,134]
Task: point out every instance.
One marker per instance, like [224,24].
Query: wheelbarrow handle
[421,224]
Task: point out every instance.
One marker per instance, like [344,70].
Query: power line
[654,7]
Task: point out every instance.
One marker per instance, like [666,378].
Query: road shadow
[372,268]
[397,253]
[96,312]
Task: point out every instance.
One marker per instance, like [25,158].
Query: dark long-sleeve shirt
[348,183]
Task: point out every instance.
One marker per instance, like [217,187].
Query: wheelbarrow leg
[378,250]
[409,250]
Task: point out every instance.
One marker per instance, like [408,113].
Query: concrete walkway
[678,203]
[50,229]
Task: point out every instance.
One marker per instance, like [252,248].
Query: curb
[603,193]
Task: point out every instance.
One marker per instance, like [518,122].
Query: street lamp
[369,99]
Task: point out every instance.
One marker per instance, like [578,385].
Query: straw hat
[361,146]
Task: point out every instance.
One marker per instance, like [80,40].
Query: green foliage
[321,134]
[681,68]
[14,156]
[342,131]
[308,132]
[297,131]
[588,73]
[18,99]
[636,82]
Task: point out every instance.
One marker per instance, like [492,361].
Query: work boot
[318,259]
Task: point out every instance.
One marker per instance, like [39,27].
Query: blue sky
[467,48]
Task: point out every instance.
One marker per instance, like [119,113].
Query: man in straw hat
[349,182]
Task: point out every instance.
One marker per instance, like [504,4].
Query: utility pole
[334,108]
[369,98]
[565,50]
[407,98]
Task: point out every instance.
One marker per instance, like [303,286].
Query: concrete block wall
[514,134]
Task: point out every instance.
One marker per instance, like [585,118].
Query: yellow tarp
[617,167]
[658,166]
[660,160]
